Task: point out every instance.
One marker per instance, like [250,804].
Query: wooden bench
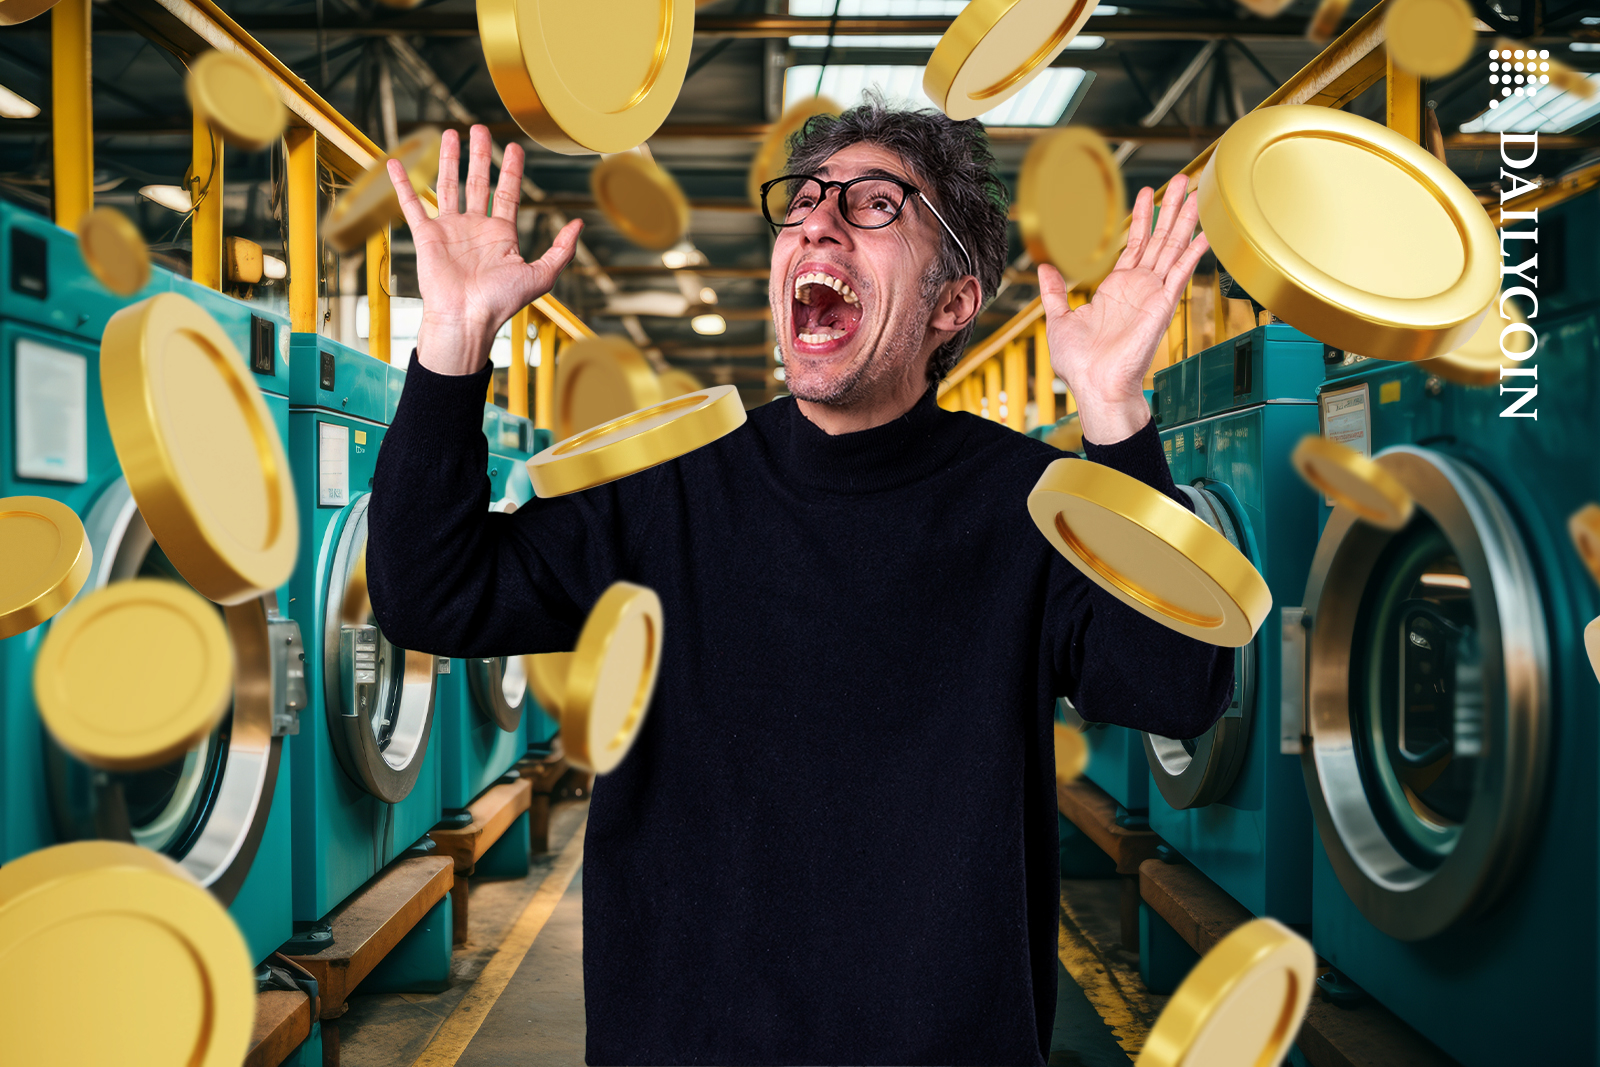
[492,815]
[1091,809]
[541,776]
[283,1022]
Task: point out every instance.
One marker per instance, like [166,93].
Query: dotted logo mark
[1518,72]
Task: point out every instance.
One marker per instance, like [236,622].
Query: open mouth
[824,309]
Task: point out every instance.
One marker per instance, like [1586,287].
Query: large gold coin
[1150,552]
[641,199]
[1072,753]
[1584,528]
[1429,38]
[1242,1004]
[1349,232]
[237,97]
[114,250]
[135,675]
[597,76]
[1071,203]
[47,559]
[15,11]
[599,379]
[371,202]
[199,448]
[995,47]
[612,677]
[677,382]
[547,677]
[128,931]
[1479,359]
[637,441]
[1352,480]
[772,157]
[1591,645]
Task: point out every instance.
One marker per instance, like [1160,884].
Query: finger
[1053,292]
[1181,236]
[410,204]
[1138,227]
[1170,204]
[556,258]
[478,172]
[449,172]
[508,191]
[1178,276]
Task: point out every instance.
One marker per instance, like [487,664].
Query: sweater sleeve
[1112,662]
[450,577]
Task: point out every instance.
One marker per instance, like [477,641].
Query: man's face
[848,303]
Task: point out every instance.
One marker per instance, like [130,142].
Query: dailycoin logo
[1518,72]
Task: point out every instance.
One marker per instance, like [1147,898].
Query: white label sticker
[1344,420]
[333,465]
[52,420]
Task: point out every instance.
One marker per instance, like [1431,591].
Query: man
[834,840]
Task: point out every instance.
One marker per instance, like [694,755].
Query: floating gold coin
[1584,526]
[1325,20]
[995,47]
[135,675]
[773,155]
[1150,552]
[1071,203]
[15,11]
[114,250]
[547,677]
[1479,359]
[238,98]
[1429,38]
[1349,232]
[199,448]
[612,677]
[1241,1005]
[127,930]
[599,76]
[637,441]
[1072,753]
[1352,480]
[678,382]
[47,559]
[371,202]
[1591,645]
[599,379]
[641,199]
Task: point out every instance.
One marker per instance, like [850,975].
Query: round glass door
[499,687]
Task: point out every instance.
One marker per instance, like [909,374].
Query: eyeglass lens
[868,203]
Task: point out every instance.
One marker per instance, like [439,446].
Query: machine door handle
[1292,724]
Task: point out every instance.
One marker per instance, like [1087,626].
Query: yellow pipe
[205,194]
[1403,99]
[302,175]
[1015,377]
[517,377]
[1044,377]
[972,394]
[991,388]
[544,378]
[72,111]
[378,295]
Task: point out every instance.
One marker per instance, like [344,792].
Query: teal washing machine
[366,769]
[541,725]
[1230,801]
[1450,711]
[217,810]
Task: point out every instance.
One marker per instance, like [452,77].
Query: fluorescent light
[708,295]
[710,325]
[13,106]
[273,268]
[1584,46]
[171,197]
[1041,102]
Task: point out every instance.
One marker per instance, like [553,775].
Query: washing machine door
[1193,773]
[500,689]
[379,697]
[209,808]
[1427,700]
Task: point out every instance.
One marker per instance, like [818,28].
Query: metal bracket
[358,664]
[288,673]
[1292,725]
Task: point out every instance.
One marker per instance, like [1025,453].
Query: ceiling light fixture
[708,295]
[273,268]
[171,197]
[709,325]
[13,106]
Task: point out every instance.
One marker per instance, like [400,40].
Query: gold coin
[1478,360]
[547,677]
[995,47]
[641,199]
[371,202]
[129,931]
[199,448]
[1150,552]
[1349,232]
[1072,753]
[1429,38]
[135,675]
[1325,20]
[599,379]
[14,11]
[637,441]
[1591,645]
[47,559]
[612,677]
[114,251]
[1242,1003]
[772,157]
[1071,203]
[599,76]
[678,382]
[1584,527]
[237,97]
[1353,481]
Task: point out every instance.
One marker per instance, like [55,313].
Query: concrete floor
[538,1020]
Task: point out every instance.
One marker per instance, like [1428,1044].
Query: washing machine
[1449,711]
[217,810]
[1230,801]
[366,774]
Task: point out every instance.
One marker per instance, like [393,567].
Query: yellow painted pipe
[72,112]
[1015,378]
[378,294]
[1403,99]
[302,179]
[205,198]
[517,378]
[544,378]
[991,388]
[1044,377]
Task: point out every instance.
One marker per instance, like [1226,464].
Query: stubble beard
[861,380]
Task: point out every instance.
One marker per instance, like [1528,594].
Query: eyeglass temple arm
[924,198]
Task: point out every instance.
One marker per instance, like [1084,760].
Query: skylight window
[1548,110]
[1041,103]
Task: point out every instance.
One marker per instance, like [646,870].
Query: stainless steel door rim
[499,686]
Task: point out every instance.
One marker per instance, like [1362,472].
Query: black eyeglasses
[868,203]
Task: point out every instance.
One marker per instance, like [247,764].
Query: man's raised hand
[471,273]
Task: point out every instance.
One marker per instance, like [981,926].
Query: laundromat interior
[238,824]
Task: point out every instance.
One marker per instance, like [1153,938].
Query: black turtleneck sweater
[834,841]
